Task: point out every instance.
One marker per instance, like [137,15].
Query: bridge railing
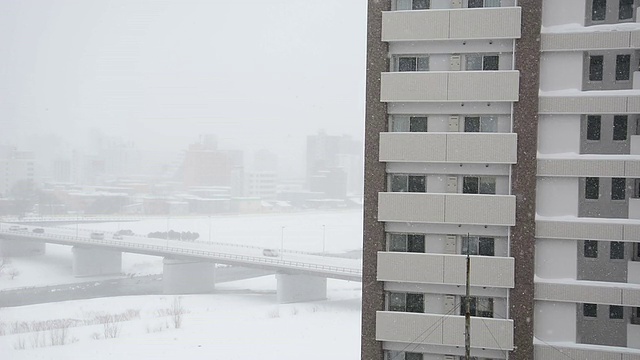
[339,270]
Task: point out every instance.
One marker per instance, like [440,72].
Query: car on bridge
[97,236]
[17,228]
[270,252]
[38,230]
[117,236]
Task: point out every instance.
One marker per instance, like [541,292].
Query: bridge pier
[300,288]
[181,276]
[93,261]
[19,248]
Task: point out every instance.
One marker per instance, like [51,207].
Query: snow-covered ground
[240,321]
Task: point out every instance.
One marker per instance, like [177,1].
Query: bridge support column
[300,288]
[92,261]
[187,276]
[19,248]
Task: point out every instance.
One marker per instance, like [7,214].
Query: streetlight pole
[324,237]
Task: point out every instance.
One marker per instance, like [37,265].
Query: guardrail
[276,263]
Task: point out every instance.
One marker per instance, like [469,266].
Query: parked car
[270,252]
[14,228]
[117,236]
[38,230]
[97,236]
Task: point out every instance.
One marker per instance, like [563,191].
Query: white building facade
[504,129]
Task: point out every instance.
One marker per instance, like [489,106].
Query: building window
[481,62]
[599,10]
[620,127]
[590,249]
[596,63]
[402,355]
[413,63]
[409,124]
[625,12]
[616,250]
[616,312]
[475,245]
[635,316]
[413,4]
[592,188]
[636,252]
[590,310]
[479,185]
[483,3]
[623,67]
[408,183]
[406,302]
[481,124]
[478,306]
[407,243]
[593,127]
[618,188]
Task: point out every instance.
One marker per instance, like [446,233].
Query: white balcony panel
[632,168]
[578,293]
[480,209]
[583,105]
[486,23]
[460,208]
[482,148]
[583,352]
[441,86]
[585,40]
[581,167]
[487,271]
[578,230]
[635,39]
[485,148]
[401,327]
[413,147]
[483,86]
[411,207]
[413,86]
[410,267]
[415,25]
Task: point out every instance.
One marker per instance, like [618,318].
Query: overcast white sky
[160,72]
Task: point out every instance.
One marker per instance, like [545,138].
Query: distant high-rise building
[334,165]
[505,130]
[18,171]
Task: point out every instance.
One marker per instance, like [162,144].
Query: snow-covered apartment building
[508,129]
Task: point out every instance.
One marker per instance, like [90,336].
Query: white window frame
[487,123]
[402,123]
[486,179]
[392,176]
[479,57]
[408,5]
[418,59]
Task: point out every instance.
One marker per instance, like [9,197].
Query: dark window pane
[599,10]
[397,302]
[415,303]
[595,68]
[592,188]
[486,246]
[623,67]
[418,124]
[407,64]
[398,242]
[590,249]
[472,124]
[620,127]
[593,127]
[423,64]
[415,243]
[626,10]
[616,312]
[469,245]
[399,183]
[420,4]
[590,310]
[470,185]
[475,3]
[484,307]
[616,250]
[487,185]
[472,305]
[417,184]
[618,187]
[490,62]
[412,356]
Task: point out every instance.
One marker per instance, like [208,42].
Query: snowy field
[241,320]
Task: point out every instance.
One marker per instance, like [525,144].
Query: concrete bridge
[189,267]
